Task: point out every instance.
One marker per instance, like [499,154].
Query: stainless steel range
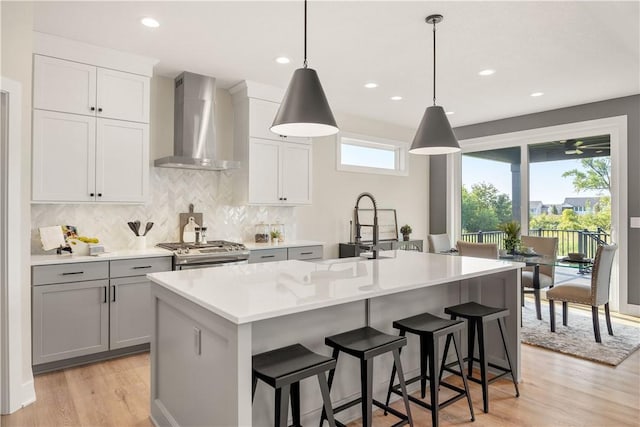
[211,254]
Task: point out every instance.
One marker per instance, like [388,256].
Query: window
[365,154]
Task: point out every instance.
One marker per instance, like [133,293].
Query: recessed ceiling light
[448,113]
[150,22]
[371,85]
[396,98]
[536,94]
[486,72]
[282,60]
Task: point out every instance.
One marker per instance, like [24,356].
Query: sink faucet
[374,247]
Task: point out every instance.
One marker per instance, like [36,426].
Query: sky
[546,183]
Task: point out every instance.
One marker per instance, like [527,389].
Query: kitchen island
[209,322]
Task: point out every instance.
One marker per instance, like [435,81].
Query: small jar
[262,233]
[277,233]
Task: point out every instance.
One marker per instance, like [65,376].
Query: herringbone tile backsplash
[171,192]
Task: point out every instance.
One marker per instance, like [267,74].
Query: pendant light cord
[434,63]
[305,34]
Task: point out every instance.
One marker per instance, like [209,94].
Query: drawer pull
[69,273]
[306,253]
[104,300]
[139,267]
[267,256]
[113,287]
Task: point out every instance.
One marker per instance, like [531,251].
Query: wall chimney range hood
[194,135]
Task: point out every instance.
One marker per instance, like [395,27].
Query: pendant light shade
[434,135]
[304,111]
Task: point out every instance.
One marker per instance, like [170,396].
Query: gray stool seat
[478,315]
[365,344]
[282,369]
[430,328]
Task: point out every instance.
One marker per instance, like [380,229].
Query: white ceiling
[574,52]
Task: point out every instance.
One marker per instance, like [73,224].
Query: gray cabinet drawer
[139,266]
[268,255]
[305,252]
[75,272]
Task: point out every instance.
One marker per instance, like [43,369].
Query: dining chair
[595,295]
[478,250]
[439,243]
[531,284]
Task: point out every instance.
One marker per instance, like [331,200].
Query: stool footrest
[461,393]
[404,420]
[505,371]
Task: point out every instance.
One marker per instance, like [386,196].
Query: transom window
[366,154]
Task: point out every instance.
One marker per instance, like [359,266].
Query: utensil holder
[140,242]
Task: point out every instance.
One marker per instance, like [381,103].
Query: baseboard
[28,393]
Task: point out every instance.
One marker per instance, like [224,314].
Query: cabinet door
[264,159]
[64,86]
[295,175]
[261,115]
[129,312]
[122,161]
[63,157]
[70,320]
[123,96]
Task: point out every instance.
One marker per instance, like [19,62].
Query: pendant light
[304,111]
[434,136]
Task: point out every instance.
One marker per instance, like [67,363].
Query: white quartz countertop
[286,244]
[107,256]
[253,292]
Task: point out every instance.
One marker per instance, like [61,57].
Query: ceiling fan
[576,146]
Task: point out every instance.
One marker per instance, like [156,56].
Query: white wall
[17,43]
[335,192]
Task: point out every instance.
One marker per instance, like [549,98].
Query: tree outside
[484,208]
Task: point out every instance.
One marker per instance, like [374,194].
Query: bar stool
[364,344]
[430,328]
[478,315]
[283,369]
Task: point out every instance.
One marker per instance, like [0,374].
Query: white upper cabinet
[276,170]
[72,87]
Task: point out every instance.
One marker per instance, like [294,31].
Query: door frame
[616,127]
[15,392]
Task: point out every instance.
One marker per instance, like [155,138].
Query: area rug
[577,338]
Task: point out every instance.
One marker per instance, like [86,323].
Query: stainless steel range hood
[194,135]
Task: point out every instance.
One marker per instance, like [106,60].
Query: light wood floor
[557,390]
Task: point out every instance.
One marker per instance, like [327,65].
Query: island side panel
[200,365]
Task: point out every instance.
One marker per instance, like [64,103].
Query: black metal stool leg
[464,379]
[425,358]
[366,386]
[332,372]
[505,342]
[393,376]
[434,384]
[403,386]
[444,358]
[282,406]
[254,380]
[295,404]
[471,331]
[326,399]
[482,332]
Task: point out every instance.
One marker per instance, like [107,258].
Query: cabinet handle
[113,287]
[285,198]
[99,110]
[138,267]
[99,194]
[92,194]
[69,273]
[93,108]
[267,256]
[283,136]
[197,335]
[306,253]
[104,299]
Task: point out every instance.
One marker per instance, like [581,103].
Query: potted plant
[276,237]
[405,230]
[511,230]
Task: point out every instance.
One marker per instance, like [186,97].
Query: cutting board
[184,219]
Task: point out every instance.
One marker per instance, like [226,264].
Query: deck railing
[584,241]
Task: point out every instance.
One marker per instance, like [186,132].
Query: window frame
[400,148]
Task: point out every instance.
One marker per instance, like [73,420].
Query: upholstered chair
[478,250]
[547,246]
[439,243]
[595,295]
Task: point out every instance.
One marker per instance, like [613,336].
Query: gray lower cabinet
[283,254]
[70,320]
[80,317]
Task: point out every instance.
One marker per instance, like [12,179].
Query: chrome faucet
[374,247]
